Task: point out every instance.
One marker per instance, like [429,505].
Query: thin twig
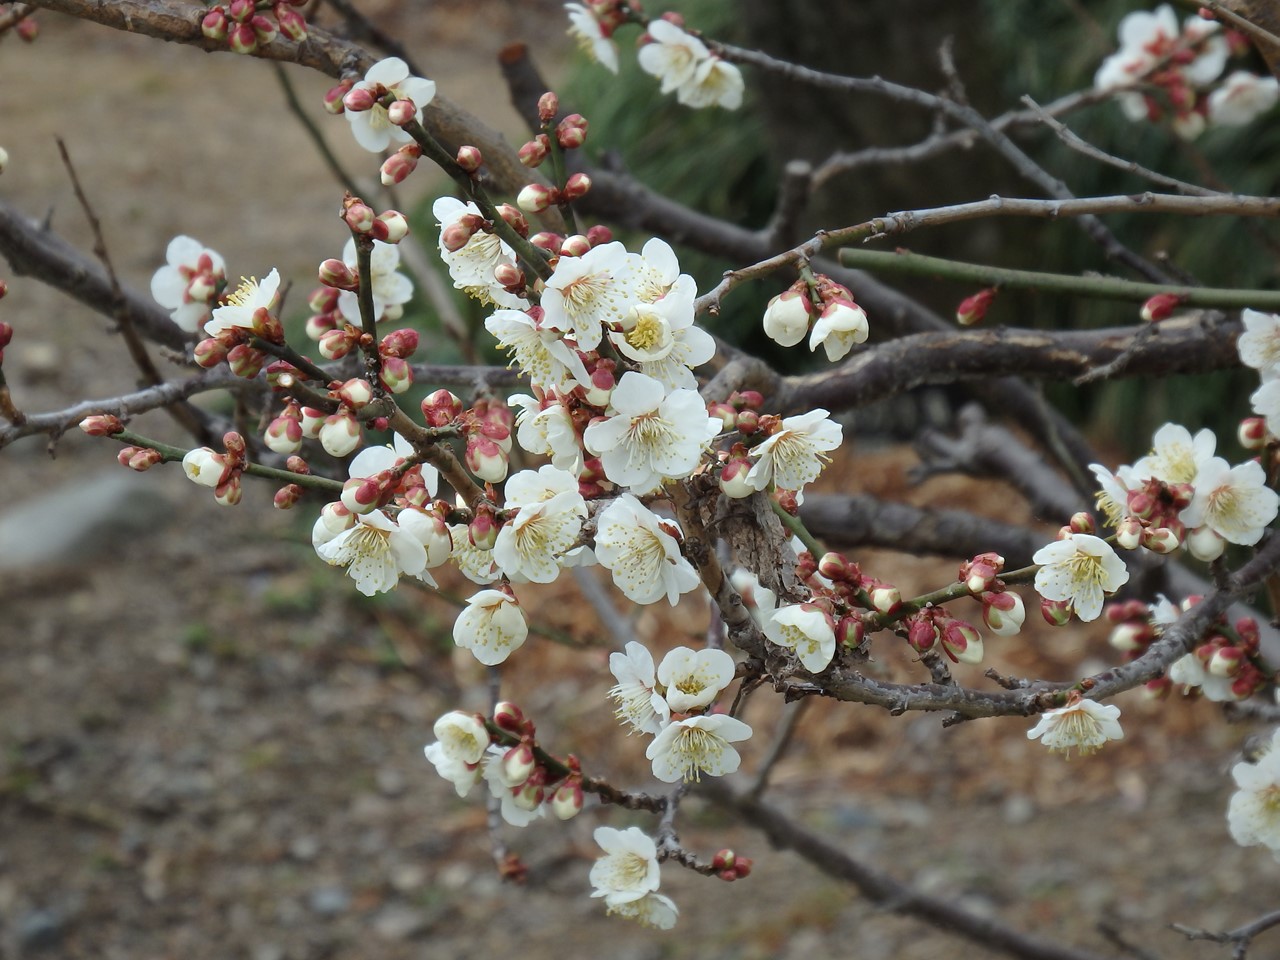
[788,723]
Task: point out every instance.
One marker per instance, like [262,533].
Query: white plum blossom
[391,289]
[545,428]
[840,327]
[519,807]
[1253,814]
[787,317]
[462,736]
[377,550]
[655,271]
[1176,456]
[1265,402]
[640,706]
[644,558]
[715,83]
[530,544]
[1189,671]
[663,339]
[673,57]
[491,627]
[1234,502]
[694,678]
[1242,97]
[1083,725]
[629,868]
[1082,569]
[462,775]
[372,128]
[476,564]
[591,37]
[205,467]
[1259,345]
[807,630]
[686,749]
[187,283]
[1113,491]
[375,459]
[240,306]
[531,487]
[584,294]
[537,350]
[471,267]
[653,436]
[795,455]
[652,910]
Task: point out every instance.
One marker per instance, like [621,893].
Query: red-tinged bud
[885,598]
[355,393]
[533,152]
[209,353]
[1226,662]
[469,158]
[922,635]
[728,416]
[229,492]
[576,186]
[786,499]
[1083,522]
[323,300]
[1252,433]
[980,573]
[748,423]
[1056,613]
[837,567]
[1003,613]
[396,224]
[482,531]
[509,277]
[396,374]
[140,459]
[850,632]
[242,39]
[336,344]
[298,465]
[786,318]
[287,496]
[548,107]
[333,97]
[101,425]
[514,219]
[733,478]
[267,326]
[1180,495]
[235,446]
[962,642]
[441,409]
[358,215]
[973,310]
[27,29]
[340,433]
[312,420]
[603,380]
[1157,689]
[509,717]
[242,11]
[215,24]
[245,361]
[284,434]
[486,459]
[359,99]
[747,399]
[571,132]
[599,234]
[1160,307]
[396,167]
[1161,540]
[399,343]
[264,28]
[1247,682]
[723,860]
[362,495]
[1129,533]
[547,241]
[1131,637]
[1247,629]
[536,197]
[335,273]
[292,24]
[1205,544]
[402,112]
[567,801]
[518,764]
[575,246]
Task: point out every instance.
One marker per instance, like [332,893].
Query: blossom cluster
[1253,814]
[1162,67]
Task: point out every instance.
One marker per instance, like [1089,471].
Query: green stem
[1105,288]
[797,528]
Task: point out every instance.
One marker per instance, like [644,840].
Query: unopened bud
[922,635]
[509,276]
[396,226]
[567,801]
[287,496]
[1226,661]
[340,433]
[1130,637]
[470,158]
[514,219]
[548,107]
[575,246]
[397,167]
[576,186]
[1056,613]
[441,409]
[402,112]
[733,478]
[358,215]
[335,273]
[140,458]
[1160,307]
[1205,544]
[1129,533]
[264,28]
[361,495]
[837,567]
[509,717]
[333,97]
[885,598]
[292,24]
[355,393]
[533,152]
[546,240]
[241,38]
[518,764]
[1003,613]
[396,374]
[571,132]
[1252,433]
[536,197]
[359,99]
[229,492]
[399,343]
[284,435]
[962,642]
[101,425]
[215,24]
[486,459]
[482,531]
[973,310]
[1161,540]
[599,234]
[244,361]
[1083,522]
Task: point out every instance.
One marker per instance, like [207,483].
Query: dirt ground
[210,746]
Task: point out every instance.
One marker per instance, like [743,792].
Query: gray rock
[400,922]
[41,929]
[329,901]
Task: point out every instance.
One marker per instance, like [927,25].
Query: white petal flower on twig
[644,559]
[639,704]
[375,550]
[1082,569]
[806,629]
[1176,456]
[795,455]
[587,293]
[1242,98]
[1259,345]
[491,627]
[240,306]
[462,736]
[471,267]
[652,910]
[1253,814]
[462,775]
[591,36]
[1083,725]
[530,544]
[537,350]
[186,285]
[1234,502]
[694,678]
[687,749]
[372,128]
[391,289]
[673,57]
[629,868]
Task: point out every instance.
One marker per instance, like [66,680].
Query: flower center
[1224,502]
[698,750]
[244,294]
[1086,568]
[647,333]
[582,292]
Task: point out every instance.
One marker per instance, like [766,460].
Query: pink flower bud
[312,421]
[245,361]
[214,25]
[399,343]
[287,496]
[284,434]
[1082,522]
[28,29]
[355,393]
[509,277]
[1252,433]
[548,107]
[482,531]
[292,24]
[141,459]
[850,631]
[267,326]
[359,216]
[733,478]
[567,801]
[980,573]
[518,764]
[397,225]
[1157,689]
[1131,637]
[509,717]
[575,246]
[514,219]
[229,492]
[921,634]
[599,234]
[396,375]
[469,158]
[1056,613]
[962,642]
[457,234]
[533,152]
[973,310]
[486,459]
[1161,540]
[1129,533]
[336,344]
[536,197]
[264,28]
[1226,661]
[101,425]
[1003,613]
[728,416]
[396,167]
[1205,544]
[340,433]
[402,112]
[786,318]
[547,241]
[1160,307]
[242,10]
[362,495]
[576,186]
[441,409]
[838,568]
[885,598]
[571,132]
[748,423]
[333,97]
[359,99]
[242,39]
[335,273]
